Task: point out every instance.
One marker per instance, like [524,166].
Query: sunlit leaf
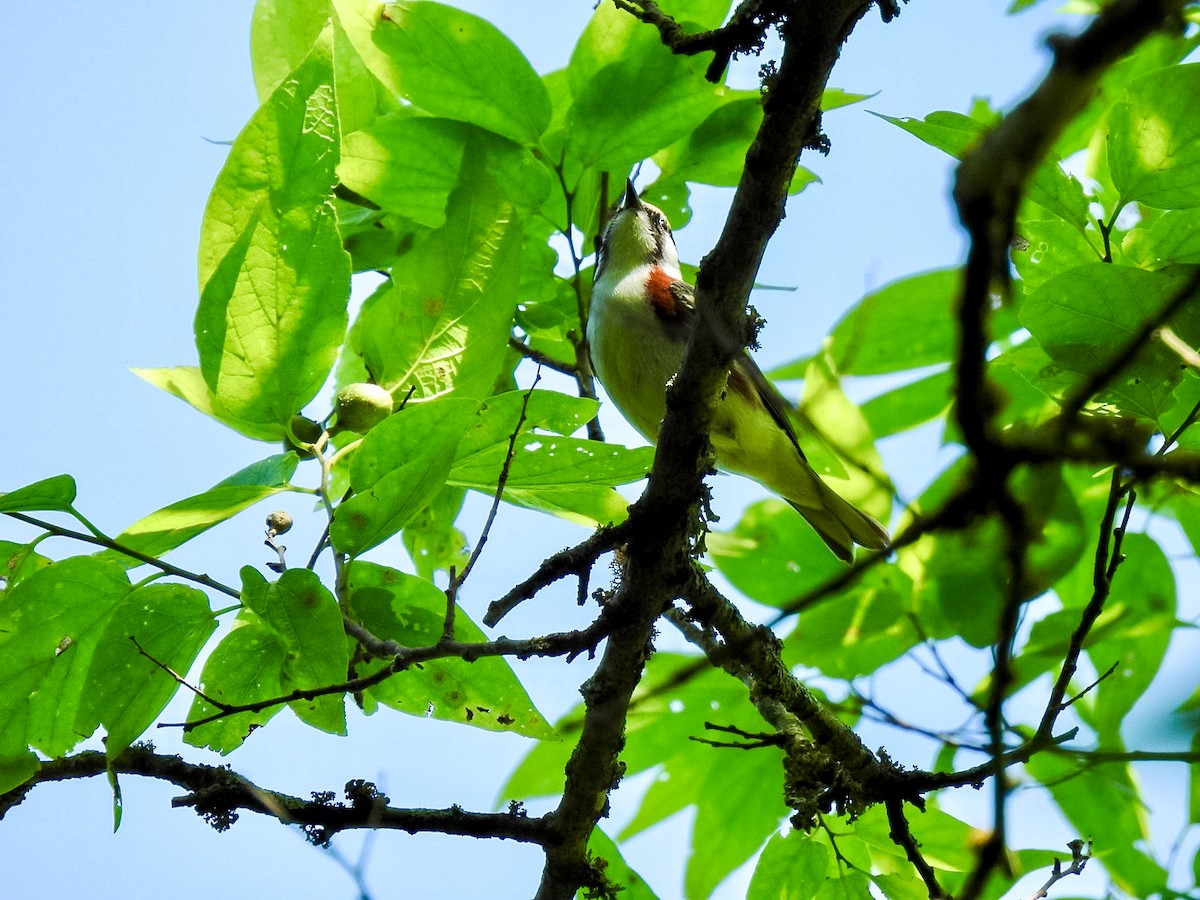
[155,628]
[442,326]
[906,324]
[484,693]
[1085,315]
[400,467]
[306,616]
[274,277]
[51,626]
[790,868]
[244,668]
[54,494]
[183,520]
[1154,140]
[1103,803]
[450,63]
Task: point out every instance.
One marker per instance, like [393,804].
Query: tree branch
[989,186]
[108,543]
[217,794]
[662,524]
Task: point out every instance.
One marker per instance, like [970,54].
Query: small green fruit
[362,406]
[305,430]
[278,522]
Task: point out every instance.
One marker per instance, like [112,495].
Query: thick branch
[661,522]
[217,794]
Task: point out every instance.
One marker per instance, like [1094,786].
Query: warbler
[642,312]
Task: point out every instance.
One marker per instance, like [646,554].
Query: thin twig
[1080,854]
[110,544]
[542,359]
[501,481]
[569,644]
[577,560]
[179,679]
[902,836]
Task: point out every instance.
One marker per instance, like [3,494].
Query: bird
[641,315]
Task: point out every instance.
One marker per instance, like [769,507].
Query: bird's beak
[631,199]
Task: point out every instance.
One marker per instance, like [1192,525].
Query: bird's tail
[841,524]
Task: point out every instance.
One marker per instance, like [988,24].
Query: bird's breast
[632,353]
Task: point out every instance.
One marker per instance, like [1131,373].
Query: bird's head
[638,234]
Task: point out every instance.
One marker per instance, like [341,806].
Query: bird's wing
[745,368]
[675,303]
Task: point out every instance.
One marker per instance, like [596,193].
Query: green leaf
[410,164]
[400,467]
[1081,317]
[571,477]
[565,476]
[738,808]
[1134,634]
[281,33]
[1103,803]
[244,668]
[949,567]
[274,277]
[1154,139]
[56,494]
[703,14]
[18,562]
[607,856]
[305,615]
[951,132]
[790,868]
[449,63]
[1033,383]
[837,441]
[771,556]
[1194,784]
[186,383]
[836,98]
[1049,187]
[1059,193]
[859,630]
[127,687]
[606,38]
[906,324]
[1052,246]
[405,163]
[431,539]
[852,885]
[443,325]
[673,196]
[667,710]
[909,405]
[17,768]
[178,523]
[611,125]
[713,152]
[1168,238]
[51,625]
[484,693]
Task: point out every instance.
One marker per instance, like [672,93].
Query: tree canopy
[409,155]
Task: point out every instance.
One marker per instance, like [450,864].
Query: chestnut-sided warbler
[641,316]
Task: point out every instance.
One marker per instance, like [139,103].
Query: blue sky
[113,117]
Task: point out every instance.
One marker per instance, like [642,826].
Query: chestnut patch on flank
[658,292]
